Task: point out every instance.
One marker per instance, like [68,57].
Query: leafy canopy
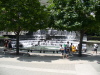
[18,15]
[73,15]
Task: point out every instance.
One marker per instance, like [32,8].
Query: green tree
[96,30]
[22,15]
[97,17]
[77,15]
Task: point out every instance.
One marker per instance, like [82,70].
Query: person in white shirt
[95,48]
[62,50]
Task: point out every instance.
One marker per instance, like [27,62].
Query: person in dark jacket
[9,45]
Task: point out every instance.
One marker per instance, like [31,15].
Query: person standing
[70,51]
[73,48]
[66,49]
[9,45]
[62,50]
[5,44]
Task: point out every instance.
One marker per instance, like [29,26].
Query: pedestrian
[95,48]
[73,48]
[9,45]
[66,49]
[5,44]
[70,51]
[62,50]
[77,48]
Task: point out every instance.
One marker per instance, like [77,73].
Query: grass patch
[2,37]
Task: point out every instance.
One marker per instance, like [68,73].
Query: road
[49,64]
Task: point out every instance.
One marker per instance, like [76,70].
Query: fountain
[51,37]
[49,40]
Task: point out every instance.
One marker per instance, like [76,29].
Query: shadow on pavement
[86,57]
[39,58]
[34,57]
[50,57]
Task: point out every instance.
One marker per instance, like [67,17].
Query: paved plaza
[49,64]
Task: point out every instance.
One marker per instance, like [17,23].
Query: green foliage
[2,37]
[22,15]
[18,15]
[73,15]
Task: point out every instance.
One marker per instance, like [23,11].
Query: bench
[41,50]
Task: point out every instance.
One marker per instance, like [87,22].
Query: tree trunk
[80,43]
[17,43]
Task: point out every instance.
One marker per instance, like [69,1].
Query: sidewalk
[54,57]
[51,64]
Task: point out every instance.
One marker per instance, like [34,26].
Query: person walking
[95,48]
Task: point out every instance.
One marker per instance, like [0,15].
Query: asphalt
[48,64]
